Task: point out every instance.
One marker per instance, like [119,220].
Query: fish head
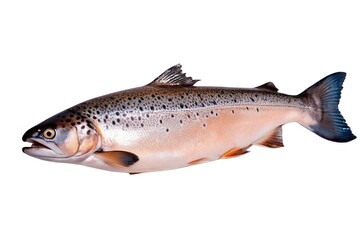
[65,137]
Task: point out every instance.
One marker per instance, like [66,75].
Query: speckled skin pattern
[170,126]
[170,123]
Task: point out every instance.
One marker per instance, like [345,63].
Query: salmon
[170,123]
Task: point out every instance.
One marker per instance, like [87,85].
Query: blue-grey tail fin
[325,96]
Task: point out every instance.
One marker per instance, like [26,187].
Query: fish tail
[326,120]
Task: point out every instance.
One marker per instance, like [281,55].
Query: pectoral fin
[117,158]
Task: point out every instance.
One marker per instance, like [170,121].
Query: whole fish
[169,123]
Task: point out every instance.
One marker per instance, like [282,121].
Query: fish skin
[169,123]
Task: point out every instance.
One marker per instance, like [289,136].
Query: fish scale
[170,123]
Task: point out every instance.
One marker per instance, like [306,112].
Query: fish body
[170,123]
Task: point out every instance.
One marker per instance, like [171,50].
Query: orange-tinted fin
[117,158]
[268,86]
[273,140]
[234,152]
[198,161]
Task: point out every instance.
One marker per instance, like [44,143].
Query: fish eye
[49,133]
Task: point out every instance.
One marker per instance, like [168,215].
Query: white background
[54,54]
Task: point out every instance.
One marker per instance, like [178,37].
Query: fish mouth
[34,145]
[42,149]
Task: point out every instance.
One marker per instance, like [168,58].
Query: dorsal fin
[273,139]
[268,86]
[173,77]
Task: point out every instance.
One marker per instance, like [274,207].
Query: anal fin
[117,158]
[273,139]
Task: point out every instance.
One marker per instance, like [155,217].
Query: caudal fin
[325,96]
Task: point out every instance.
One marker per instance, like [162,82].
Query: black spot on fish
[170,99]
[89,111]
[104,120]
[99,120]
[207,116]
[257,109]
[113,122]
[247,108]
[197,114]
[252,99]
[117,113]
[63,116]
[158,97]
[129,98]
[161,121]
[118,120]
[94,117]
[141,108]
[72,124]
[163,106]
[78,123]
[152,108]
[77,118]
[68,120]
[106,116]
[139,118]
[256,95]
[235,101]
[132,118]
[204,125]
[181,121]
[127,125]
[88,132]
[188,116]
[167,130]
[212,112]
[147,115]
[153,95]
[232,111]
[142,125]
[182,97]
[139,100]
[216,114]
[181,105]
[82,127]
[172,115]
[123,106]
[124,114]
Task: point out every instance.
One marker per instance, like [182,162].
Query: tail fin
[325,96]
